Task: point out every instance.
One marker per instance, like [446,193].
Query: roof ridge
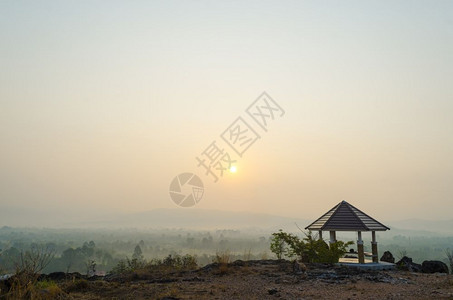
[353,212]
[369,217]
[333,214]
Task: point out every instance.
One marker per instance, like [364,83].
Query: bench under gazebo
[345,217]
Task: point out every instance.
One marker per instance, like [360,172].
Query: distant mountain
[201,219]
[190,219]
[158,218]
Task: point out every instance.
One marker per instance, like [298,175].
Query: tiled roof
[345,217]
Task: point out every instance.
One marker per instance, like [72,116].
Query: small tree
[28,268]
[402,253]
[287,244]
[138,254]
[137,261]
[90,267]
[277,245]
[33,261]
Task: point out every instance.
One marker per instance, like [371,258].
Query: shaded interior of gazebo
[345,217]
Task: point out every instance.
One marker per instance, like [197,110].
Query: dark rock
[59,276]
[434,266]
[95,278]
[193,279]
[75,275]
[416,268]
[6,284]
[321,266]
[388,257]
[56,276]
[272,291]
[239,263]
[162,280]
[407,264]
[257,262]
[299,268]
[209,267]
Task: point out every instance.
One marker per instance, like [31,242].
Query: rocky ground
[264,279]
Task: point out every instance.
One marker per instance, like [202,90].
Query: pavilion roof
[345,217]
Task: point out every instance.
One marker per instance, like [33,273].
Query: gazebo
[345,217]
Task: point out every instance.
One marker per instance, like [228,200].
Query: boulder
[59,276]
[272,291]
[407,264]
[239,263]
[434,266]
[298,267]
[55,276]
[388,257]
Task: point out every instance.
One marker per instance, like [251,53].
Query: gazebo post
[333,237]
[320,235]
[374,247]
[360,248]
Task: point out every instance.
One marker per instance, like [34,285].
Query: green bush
[128,265]
[308,249]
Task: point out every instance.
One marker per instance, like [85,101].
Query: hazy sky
[102,103]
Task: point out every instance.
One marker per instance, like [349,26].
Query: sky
[103,103]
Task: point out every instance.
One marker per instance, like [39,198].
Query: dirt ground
[267,279]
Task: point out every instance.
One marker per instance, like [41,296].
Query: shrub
[286,244]
[51,288]
[128,265]
[33,261]
[28,268]
[308,249]
[171,262]
[222,257]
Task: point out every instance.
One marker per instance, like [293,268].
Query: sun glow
[233,169]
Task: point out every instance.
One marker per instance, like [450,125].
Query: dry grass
[223,259]
[253,281]
[41,290]
[78,285]
[247,255]
[170,291]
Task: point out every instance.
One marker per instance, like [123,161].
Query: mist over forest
[243,236]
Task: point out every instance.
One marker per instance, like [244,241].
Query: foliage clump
[171,262]
[310,249]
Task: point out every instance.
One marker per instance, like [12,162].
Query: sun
[233,169]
